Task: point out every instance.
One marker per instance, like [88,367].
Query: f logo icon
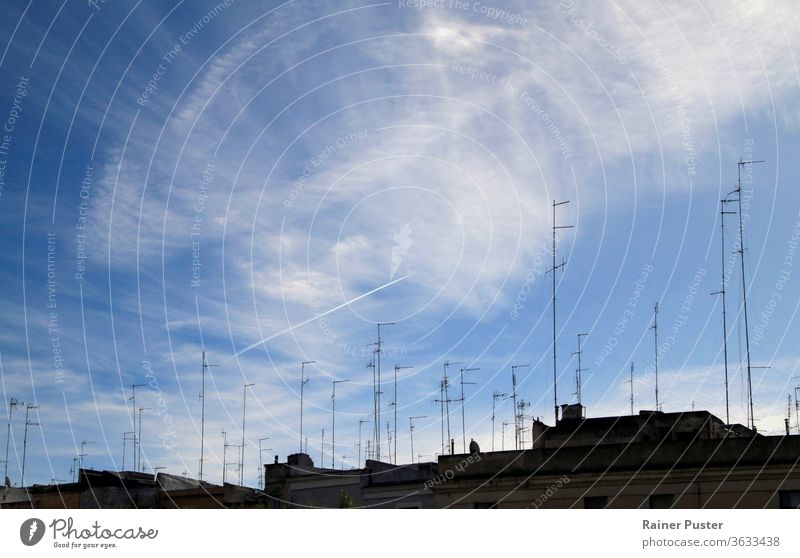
[31,531]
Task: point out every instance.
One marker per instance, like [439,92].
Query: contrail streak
[308,321]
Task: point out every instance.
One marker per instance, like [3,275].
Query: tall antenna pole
[74,472]
[722,291]
[126,436]
[463,401]
[202,398]
[136,449]
[495,396]
[224,455]
[303,382]
[441,410]
[244,416]
[28,423]
[654,327]
[506,423]
[378,349]
[333,422]
[394,404]
[360,423]
[446,383]
[411,431]
[521,421]
[738,190]
[797,408]
[389,441]
[631,383]
[579,370]
[514,398]
[553,270]
[261,479]
[12,404]
[139,443]
[83,453]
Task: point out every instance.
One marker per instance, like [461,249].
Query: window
[789,499]
[661,501]
[595,502]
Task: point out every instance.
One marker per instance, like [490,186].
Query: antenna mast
[738,190]
[579,370]
[495,396]
[553,270]
[28,423]
[136,435]
[394,404]
[12,404]
[722,292]
[202,398]
[797,408]
[444,402]
[654,327]
[514,398]
[463,412]
[361,422]
[303,382]
[631,383]
[378,348]
[411,432]
[333,422]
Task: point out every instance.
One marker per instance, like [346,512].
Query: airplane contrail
[351,301]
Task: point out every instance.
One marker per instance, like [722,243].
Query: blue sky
[208,175]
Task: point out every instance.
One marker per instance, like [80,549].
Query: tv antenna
[463,412]
[495,396]
[723,291]
[553,270]
[225,446]
[13,403]
[738,192]
[83,453]
[797,407]
[333,422]
[262,481]
[202,398]
[303,382]
[28,423]
[244,416]
[579,370]
[521,406]
[378,392]
[126,436]
[136,434]
[361,422]
[394,404]
[654,327]
[505,423]
[139,439]
[514,398]
[631,383]
[445,403]
[411,431]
